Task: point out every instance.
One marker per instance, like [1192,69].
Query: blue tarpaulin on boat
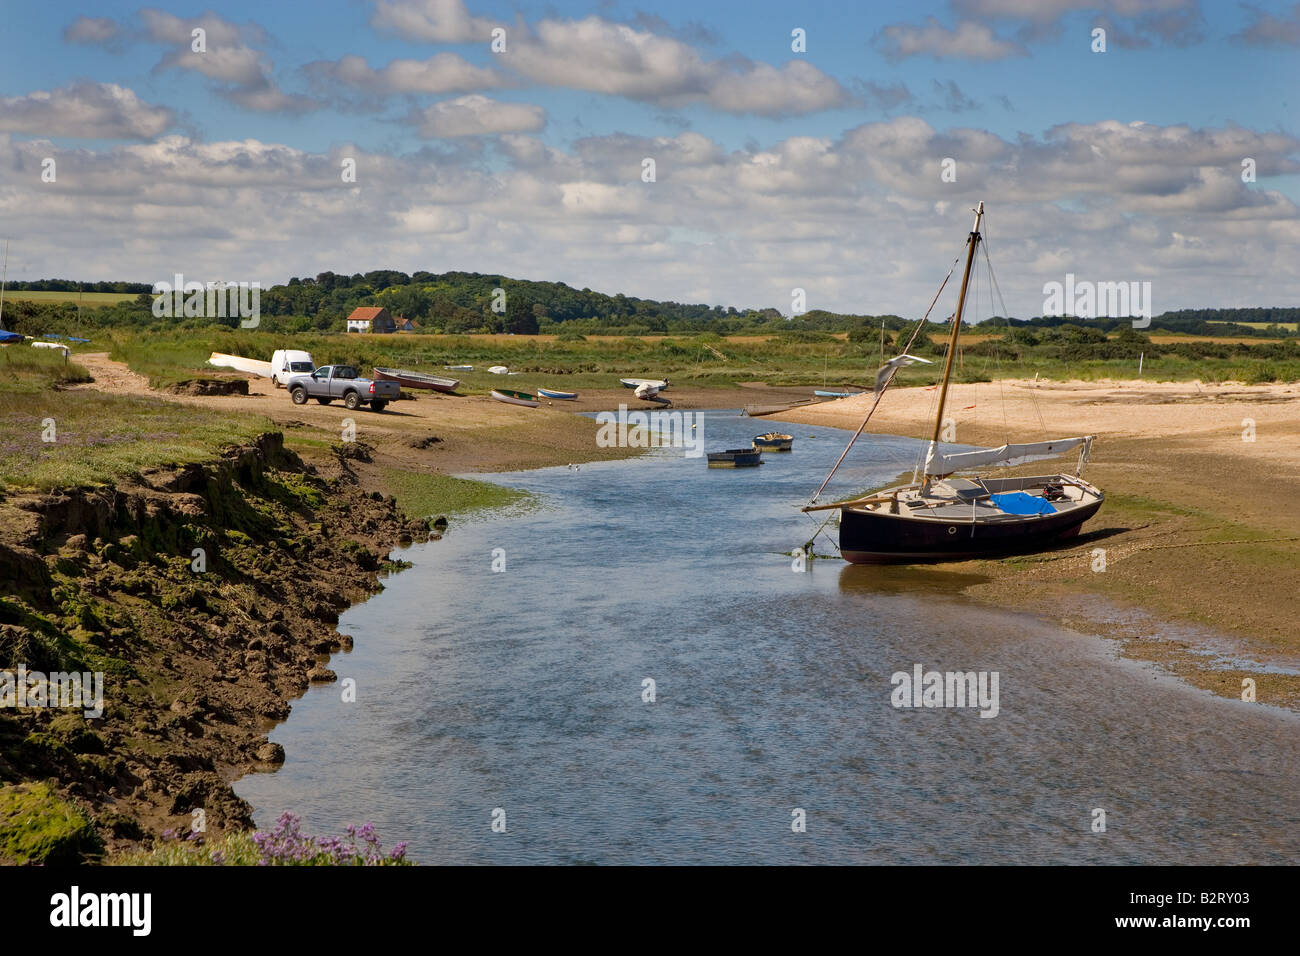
[1019,503]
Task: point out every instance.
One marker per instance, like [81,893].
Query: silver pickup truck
[342,382]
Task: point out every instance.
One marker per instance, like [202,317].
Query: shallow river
[523,690]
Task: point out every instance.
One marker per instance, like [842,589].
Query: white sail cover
[941,463]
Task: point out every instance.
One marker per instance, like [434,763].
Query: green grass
[421,494]
[87,298]
[96,438]
[704,360]
[25,369]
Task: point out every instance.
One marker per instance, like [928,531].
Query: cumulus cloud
[85,109]
[243,74]
[861,220]
[441,73]
[1128,24]
[93,31]
[476,115]
[614,58]
[438,21]
[968,41]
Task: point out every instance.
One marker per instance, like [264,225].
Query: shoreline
[1161,596]
[1193,545]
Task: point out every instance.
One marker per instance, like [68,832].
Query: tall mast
[971,243]
[3,276]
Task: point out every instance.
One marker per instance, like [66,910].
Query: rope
[1033,398]
[881,394]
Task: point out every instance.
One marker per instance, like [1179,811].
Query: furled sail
[945,463]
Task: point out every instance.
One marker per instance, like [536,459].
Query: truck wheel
[324,401]
[299,395]
[378,405]
[352,400]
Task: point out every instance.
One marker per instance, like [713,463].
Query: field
[88,299]
[1290,326]
[710,361]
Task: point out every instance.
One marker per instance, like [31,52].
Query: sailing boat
[944,517]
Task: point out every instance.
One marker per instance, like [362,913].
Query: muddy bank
[207,596]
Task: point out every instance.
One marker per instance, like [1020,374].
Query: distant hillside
[458,302]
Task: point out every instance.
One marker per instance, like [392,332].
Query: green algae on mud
[424,494]
[37,826]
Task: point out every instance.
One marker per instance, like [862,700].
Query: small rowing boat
[515,398]
[735,458]
[656,384]
[774,441]
[409,379]
[822,393]
[552,393]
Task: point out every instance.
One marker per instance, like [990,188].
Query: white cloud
[613,58]
[862,220]
[86,109]
[476,115]
[92,31]
[438,21]
[441,73]
[968,40]
[226,57]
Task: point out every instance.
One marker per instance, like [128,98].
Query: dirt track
[477,433]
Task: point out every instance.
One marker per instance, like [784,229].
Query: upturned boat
[409,379]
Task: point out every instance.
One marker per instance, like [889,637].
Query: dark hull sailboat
[879,533]
[947,518]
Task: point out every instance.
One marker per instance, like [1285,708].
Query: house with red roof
[369,319]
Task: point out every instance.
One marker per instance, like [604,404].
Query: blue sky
[776,169]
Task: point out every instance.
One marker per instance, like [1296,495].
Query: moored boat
[823,393]
[515,398]
[735,458]
[774,441]
[409,379]
[945,517]
[561,396]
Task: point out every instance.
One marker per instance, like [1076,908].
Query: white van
[286,363]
